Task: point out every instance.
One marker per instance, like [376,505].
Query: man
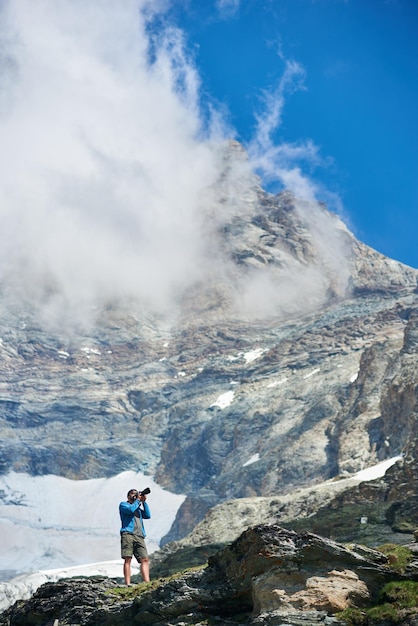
[132,533]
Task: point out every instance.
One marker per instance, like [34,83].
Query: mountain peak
[271,369]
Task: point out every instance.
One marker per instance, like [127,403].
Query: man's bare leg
[145,570]
[127,570]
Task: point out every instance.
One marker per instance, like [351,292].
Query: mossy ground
[397,599]
[399,557]
[136,590]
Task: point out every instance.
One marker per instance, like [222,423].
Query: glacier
[49,522]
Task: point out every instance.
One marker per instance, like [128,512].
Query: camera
[144,492]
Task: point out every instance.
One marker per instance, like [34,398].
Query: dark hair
[131,491]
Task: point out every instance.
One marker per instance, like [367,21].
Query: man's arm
[146,513]
[126,507]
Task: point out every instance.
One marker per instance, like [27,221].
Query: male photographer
[132,532]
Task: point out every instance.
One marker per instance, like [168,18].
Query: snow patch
[224,400]
[318,369]
[253,459]
[376,471]
[253,355]
[353,377]
[91,351]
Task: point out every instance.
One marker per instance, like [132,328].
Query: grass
[398,556]
[129,593]
[402,594]
[395,599]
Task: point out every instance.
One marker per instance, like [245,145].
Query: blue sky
[356,97]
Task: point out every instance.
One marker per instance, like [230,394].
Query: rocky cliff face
[268,575]
[292,362]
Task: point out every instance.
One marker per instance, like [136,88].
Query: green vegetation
[136,590]
[394,601]
[395,598]
[383,613]
[398,556]
[402,594]
[129,593]
[353,616]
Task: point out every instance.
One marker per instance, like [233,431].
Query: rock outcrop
[268,575]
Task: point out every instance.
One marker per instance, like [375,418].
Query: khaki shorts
[133,545]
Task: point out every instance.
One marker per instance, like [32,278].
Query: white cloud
[290,164]
[292,80]
[104,173]
[281,162]
[110,165]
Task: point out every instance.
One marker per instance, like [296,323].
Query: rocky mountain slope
[293,361]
